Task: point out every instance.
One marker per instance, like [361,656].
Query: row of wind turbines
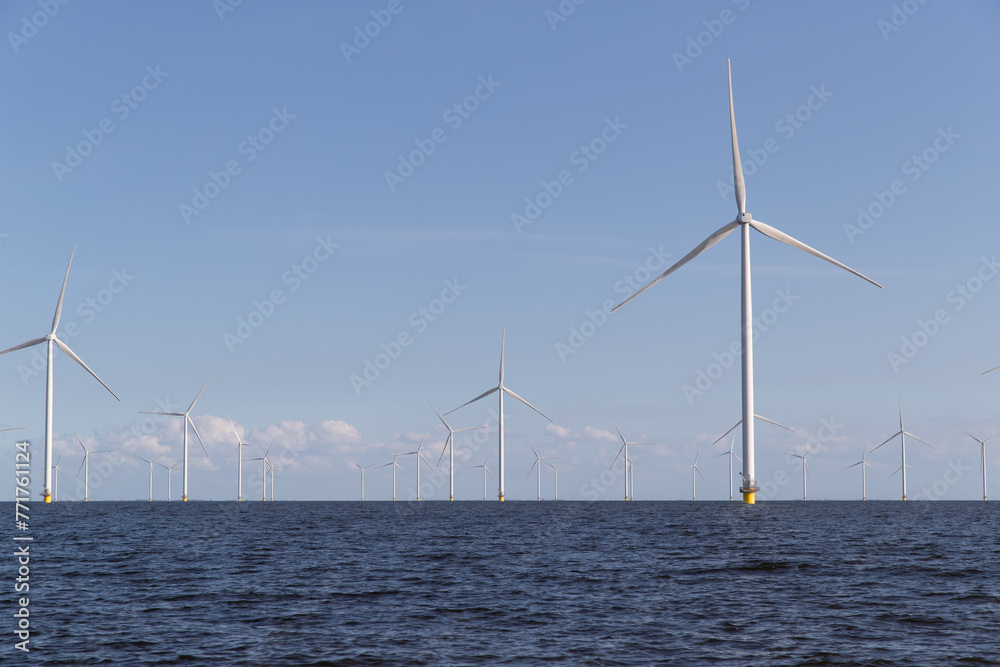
[749,488]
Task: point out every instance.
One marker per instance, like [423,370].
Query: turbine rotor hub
[745,218]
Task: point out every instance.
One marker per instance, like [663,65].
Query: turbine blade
[620,450]
[62,293]
[199,395]
[81,442]
[81,465]
[439,415]
[618,429]
[232,455]
[714,238]
[65,348]
[195,429]
[778,235]
[854,465]
[513,395]
[172,414]
[983,373]
[888,439]
[738,184]
[729,431]
[530,470]
[30,343]
[482,395]
[916,438]
[771,421]
[444,449]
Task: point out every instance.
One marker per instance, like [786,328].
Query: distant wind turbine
[555,472]
[538,464]
[55,486]
[420,457]
[902,433]
[486,471]
[695,469]
[362,469]
[49,339]
[187,420]
[624,450]
[730,454]
[394,465]
[864,464]
[449,446]
[744,221]
[501,390]
[631,474]
[805,468]
[150,473]
[982,454]
[238,453]
[264,463]
[170,476]
[85,465]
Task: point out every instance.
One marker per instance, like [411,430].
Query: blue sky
[236,163]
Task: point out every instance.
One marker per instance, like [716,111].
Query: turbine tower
[150,473]
[805,468]
[239,457]
[982,454]
[49,339]
[695,469]
[624,450]
[555,471]
[538,464]
[170,476]
[264,463]
[501,390]
[416,452]
[362,469]
[730,454]
[486,471]
[744,221]
[394,464]
[864,464]
[187,420]
[902,433]
[449,445]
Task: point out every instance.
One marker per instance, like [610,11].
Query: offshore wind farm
[294,232]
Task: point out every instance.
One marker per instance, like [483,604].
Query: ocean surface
[518,583]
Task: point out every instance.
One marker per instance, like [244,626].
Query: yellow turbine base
[48,497]
[185,498]
[904,497]
[501,498]
[749,497]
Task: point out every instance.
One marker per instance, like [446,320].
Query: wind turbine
[362,469]
[537,464]
[730,454]
[555,471]
[805,467]
[85,465]
[624,449]
[187,420]
[264,463]
[55,486]
[49,339]
[420,457]
[982,454]
[501,390]
[864,464]
[394,465]
[239,457]
[744,221]
[695,469]
[449,444]
[631,468]
[902,433]
[170,476]
[486,471]
[150,473]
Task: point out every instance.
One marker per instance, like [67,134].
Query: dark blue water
[519,583]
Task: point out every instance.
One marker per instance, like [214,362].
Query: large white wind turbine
[982,454]
[239,457]
[501,390]
[170,476]
[85,466]
[49,339]
[486,471]
[150,473]
[902,433]
[362,469]
[538,464]
[624,450]
[695,469]
[744,222]
[731,453]
[805,468]
[449,446]
[187,420]
[864,464]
